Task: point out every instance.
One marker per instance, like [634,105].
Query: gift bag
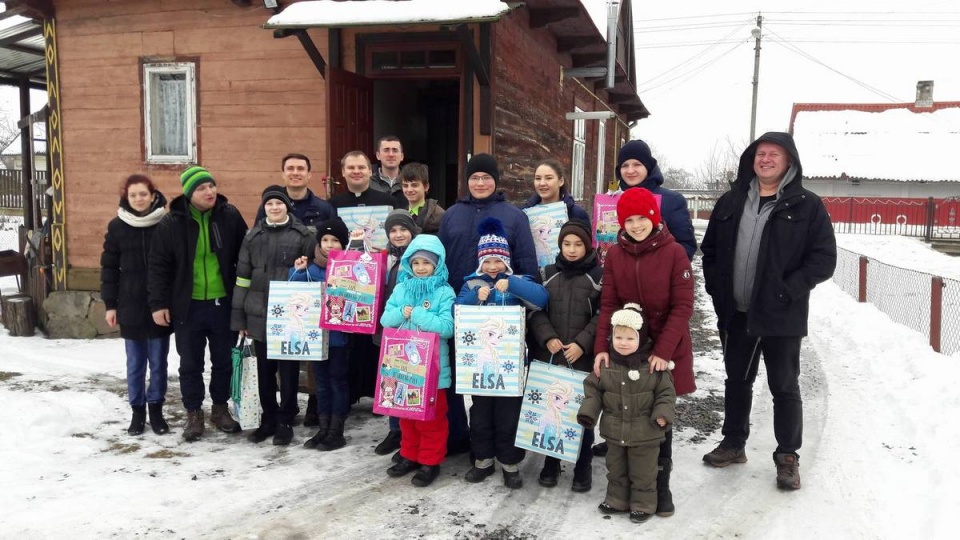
[490,350]
[408,375]
[244,388]
[293,321]
[545,223]
[371,220]
[605,224]
[548,418]
[354,286]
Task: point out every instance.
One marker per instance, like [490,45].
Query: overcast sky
[695,63]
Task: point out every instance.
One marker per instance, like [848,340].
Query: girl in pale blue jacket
[423,300]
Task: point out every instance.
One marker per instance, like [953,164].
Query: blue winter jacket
[319,275]
[431,298]
[673,210]
[458,232]
[522,291]
[310,210]
[573,211]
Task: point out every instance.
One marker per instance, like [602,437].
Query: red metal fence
[928,218]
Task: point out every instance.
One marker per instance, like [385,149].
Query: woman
[551,187]
[123,287]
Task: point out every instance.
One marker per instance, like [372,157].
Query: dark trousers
[207,323]
[363,366]
[632,477]
[267,370]
[333,383]
[741,357]
[493,428]
[585,459]
[140,354]
[456,409]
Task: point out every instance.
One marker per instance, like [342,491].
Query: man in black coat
[768,244]
[190,279]
[307,207]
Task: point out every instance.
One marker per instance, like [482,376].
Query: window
[579,157]
[170,112]
[601,155]
[411,60]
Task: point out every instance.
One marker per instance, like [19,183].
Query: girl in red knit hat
[649,267]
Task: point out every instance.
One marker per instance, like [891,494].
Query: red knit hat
[638,201]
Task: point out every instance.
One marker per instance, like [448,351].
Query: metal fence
[926,303]
[929,218]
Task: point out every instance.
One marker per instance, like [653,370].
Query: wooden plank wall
[259,98]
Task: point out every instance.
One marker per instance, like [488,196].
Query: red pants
[425,442]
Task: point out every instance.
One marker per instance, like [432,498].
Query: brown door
[350,111]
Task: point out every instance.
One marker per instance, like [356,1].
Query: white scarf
[134,220]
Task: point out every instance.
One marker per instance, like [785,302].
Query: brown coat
[428,219]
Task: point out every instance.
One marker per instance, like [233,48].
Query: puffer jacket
[267,253]
[656,274]
[431,297]
[572,309]
[673,208]
[630,408]
[521,291]
[429,217]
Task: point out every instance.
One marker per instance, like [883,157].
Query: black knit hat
[484,163]
[402,218]
[579,228]
[335,227]
[276,192]
[639,151]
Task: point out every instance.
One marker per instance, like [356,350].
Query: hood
[429,243]
[654,178]
[745,173]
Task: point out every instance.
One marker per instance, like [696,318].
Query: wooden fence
[11,188]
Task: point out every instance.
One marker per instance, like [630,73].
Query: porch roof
[334,14]
[21,50]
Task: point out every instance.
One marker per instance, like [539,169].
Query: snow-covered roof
[894,143]
[329,13]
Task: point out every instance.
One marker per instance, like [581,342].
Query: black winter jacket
[797,251]
[123,272]
[170,274]
[267,254]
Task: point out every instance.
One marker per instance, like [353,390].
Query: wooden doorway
[350,113]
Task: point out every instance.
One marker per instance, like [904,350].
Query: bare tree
[719,168]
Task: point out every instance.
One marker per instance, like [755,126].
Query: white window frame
[579,157]
[601,156]
[188,69]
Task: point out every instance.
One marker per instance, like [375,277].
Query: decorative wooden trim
[58,225]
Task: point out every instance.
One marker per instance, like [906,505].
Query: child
[564,334]
[648,267]
[333,393]
[427,213]
[401,230]
[637,404]
[424,300]
[493,420]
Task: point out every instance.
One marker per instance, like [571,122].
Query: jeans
[333,383]
[140,354]
[208,322]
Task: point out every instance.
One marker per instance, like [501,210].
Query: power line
[693,72]
[699,54]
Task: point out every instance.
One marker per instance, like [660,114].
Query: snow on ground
[880,430]
[902,251]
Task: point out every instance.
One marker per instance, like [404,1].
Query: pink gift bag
[605,224]
[408,374]
[354,287]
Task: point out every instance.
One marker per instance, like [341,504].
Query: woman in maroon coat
[649,267]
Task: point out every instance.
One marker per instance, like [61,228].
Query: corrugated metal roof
[22,49]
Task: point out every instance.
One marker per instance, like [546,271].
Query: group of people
[768,243]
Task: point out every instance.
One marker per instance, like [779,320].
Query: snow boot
[724,455]
[390,444]
[138,420]
[323,426]
[334,438]
[262,433]
[582,477]
[220,417]
[550,472]
[639,516]
[311,418]
[194,428]
[665,506]
[403,468]
[788,470]
[426,475]
[512,479]
[157,423]
[283,435]
[609,510]
[600,449]
[482,468]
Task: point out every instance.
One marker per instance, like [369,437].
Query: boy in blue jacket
[493,420]
[424,300]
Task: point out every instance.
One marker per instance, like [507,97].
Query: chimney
[924,94]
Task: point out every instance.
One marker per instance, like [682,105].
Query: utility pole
[756,33]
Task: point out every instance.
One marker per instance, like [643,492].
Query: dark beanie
[484,163]
[193,177]
[401,218]
[579,228]
[276,192]
[336,228]
[639,151]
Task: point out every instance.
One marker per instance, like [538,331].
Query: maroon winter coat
[656,274]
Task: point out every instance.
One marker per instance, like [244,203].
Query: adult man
[768,243]
[190,280]
[307,207]
[427,213]
[386,176]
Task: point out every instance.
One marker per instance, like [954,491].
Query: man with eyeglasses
[458,232]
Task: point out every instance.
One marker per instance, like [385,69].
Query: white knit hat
[630,316]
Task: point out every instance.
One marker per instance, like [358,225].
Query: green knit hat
[191,178]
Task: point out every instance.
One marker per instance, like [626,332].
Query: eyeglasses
[480,178]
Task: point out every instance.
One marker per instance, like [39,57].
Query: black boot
[390,444]
[405,466]
[550,472]
[665,506]
[311,418]
[323,426]
[283,436]
[157,422]
[600,449]
[582,476]
[262,433]
[138,420]
[426,475]
[334,438]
